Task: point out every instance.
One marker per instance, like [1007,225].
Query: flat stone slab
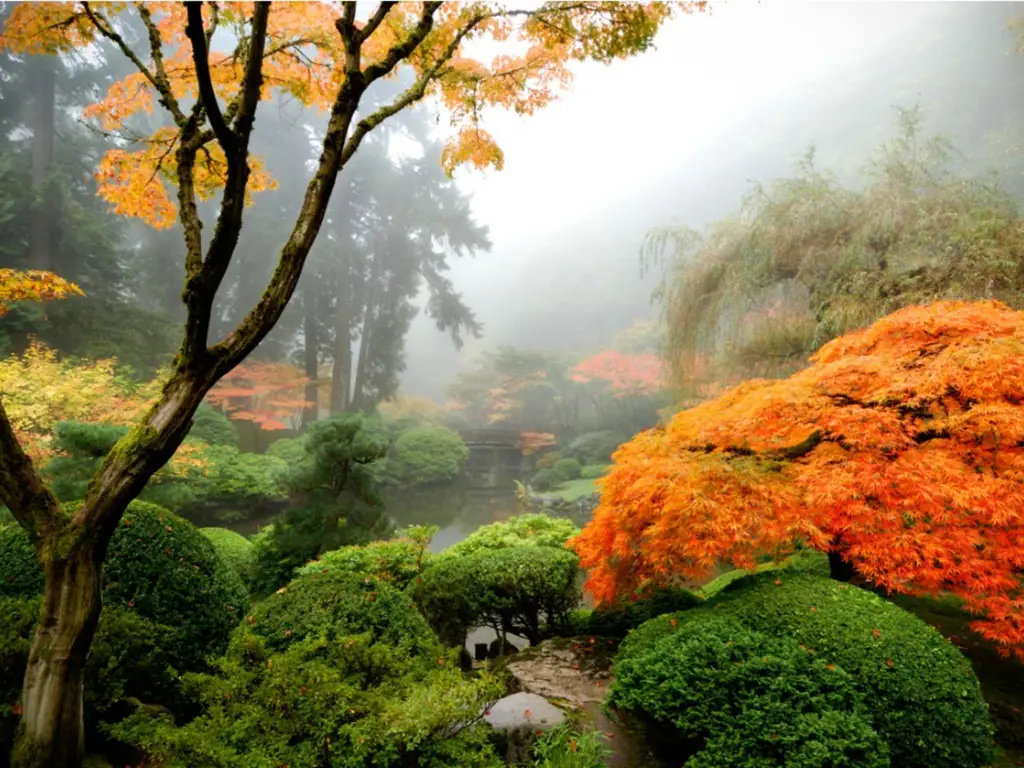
[524,710]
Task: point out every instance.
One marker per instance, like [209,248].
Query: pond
[456,510]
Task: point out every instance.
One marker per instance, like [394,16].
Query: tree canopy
[897,450]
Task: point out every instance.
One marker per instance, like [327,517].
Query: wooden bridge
[495,459]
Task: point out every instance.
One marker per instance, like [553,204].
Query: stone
[517,721]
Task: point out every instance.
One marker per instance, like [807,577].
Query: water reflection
[456,510]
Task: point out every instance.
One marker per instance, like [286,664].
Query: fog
[674,136]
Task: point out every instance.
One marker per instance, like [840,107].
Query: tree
[631,380]
[268,394]
[898,452]
[319,54]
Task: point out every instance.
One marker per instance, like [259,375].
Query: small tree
[898,452]
[320,54]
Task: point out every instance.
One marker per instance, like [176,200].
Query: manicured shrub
[545,480]
[161,568]
[567,469]
[337,670]
[921,693]
[516,589]
[233,548]
[396,562]
[537,530]
[335,605]
[212,426]
[427,455]
[726,695]
[593,471]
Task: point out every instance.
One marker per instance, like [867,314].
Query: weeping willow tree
[807,259]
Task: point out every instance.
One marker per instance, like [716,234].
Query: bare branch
[21,488]
[200,58]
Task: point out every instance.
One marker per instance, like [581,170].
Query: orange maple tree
[531,442]
[625,374]
[898,451]
[33,285]
[271,395]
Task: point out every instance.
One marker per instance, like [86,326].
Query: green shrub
[726,695]
[538,530]
[594,471]
[336,604]
[567,469]
[922,695]
[159,567]
[233,548]
[545,480]
[617,621]
[594,447]
[427,455]
[808,561]
[396,562]
[516,589]
[335,669]
[213,426]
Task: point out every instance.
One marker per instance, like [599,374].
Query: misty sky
[586,178]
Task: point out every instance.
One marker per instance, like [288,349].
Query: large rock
[518,720]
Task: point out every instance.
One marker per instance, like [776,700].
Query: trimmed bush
[594,471]
[236,551]
[335,605]
[427,455]
[159,567]
[396,562]
[726,695]
[535,530]
[516,589]
[567,469]
[921,693]
[545,480]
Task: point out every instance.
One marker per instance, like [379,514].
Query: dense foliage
[920,694]
[537,530]
[234,550]
[427,454]
[397,561]
[514,590]
[898,451]
[334,667]
[732,696]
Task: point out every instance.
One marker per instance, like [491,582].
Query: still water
[456,511]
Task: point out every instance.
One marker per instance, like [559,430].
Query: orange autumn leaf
[33,285]
[900,448]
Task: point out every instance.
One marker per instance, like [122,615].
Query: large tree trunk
[365,337]
[43,220]
[51,732]
[312,359]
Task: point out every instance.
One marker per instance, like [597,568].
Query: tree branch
[201,286]
[161,85]
[21,488]
[196,33]
[402,50]
[375,21]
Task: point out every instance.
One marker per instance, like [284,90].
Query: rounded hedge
[921,694]
[337,604]
[731,696]
[160,567]
[567,469]
[534,530]
[396,561]
[427,455]
[545,480]
[236,551]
